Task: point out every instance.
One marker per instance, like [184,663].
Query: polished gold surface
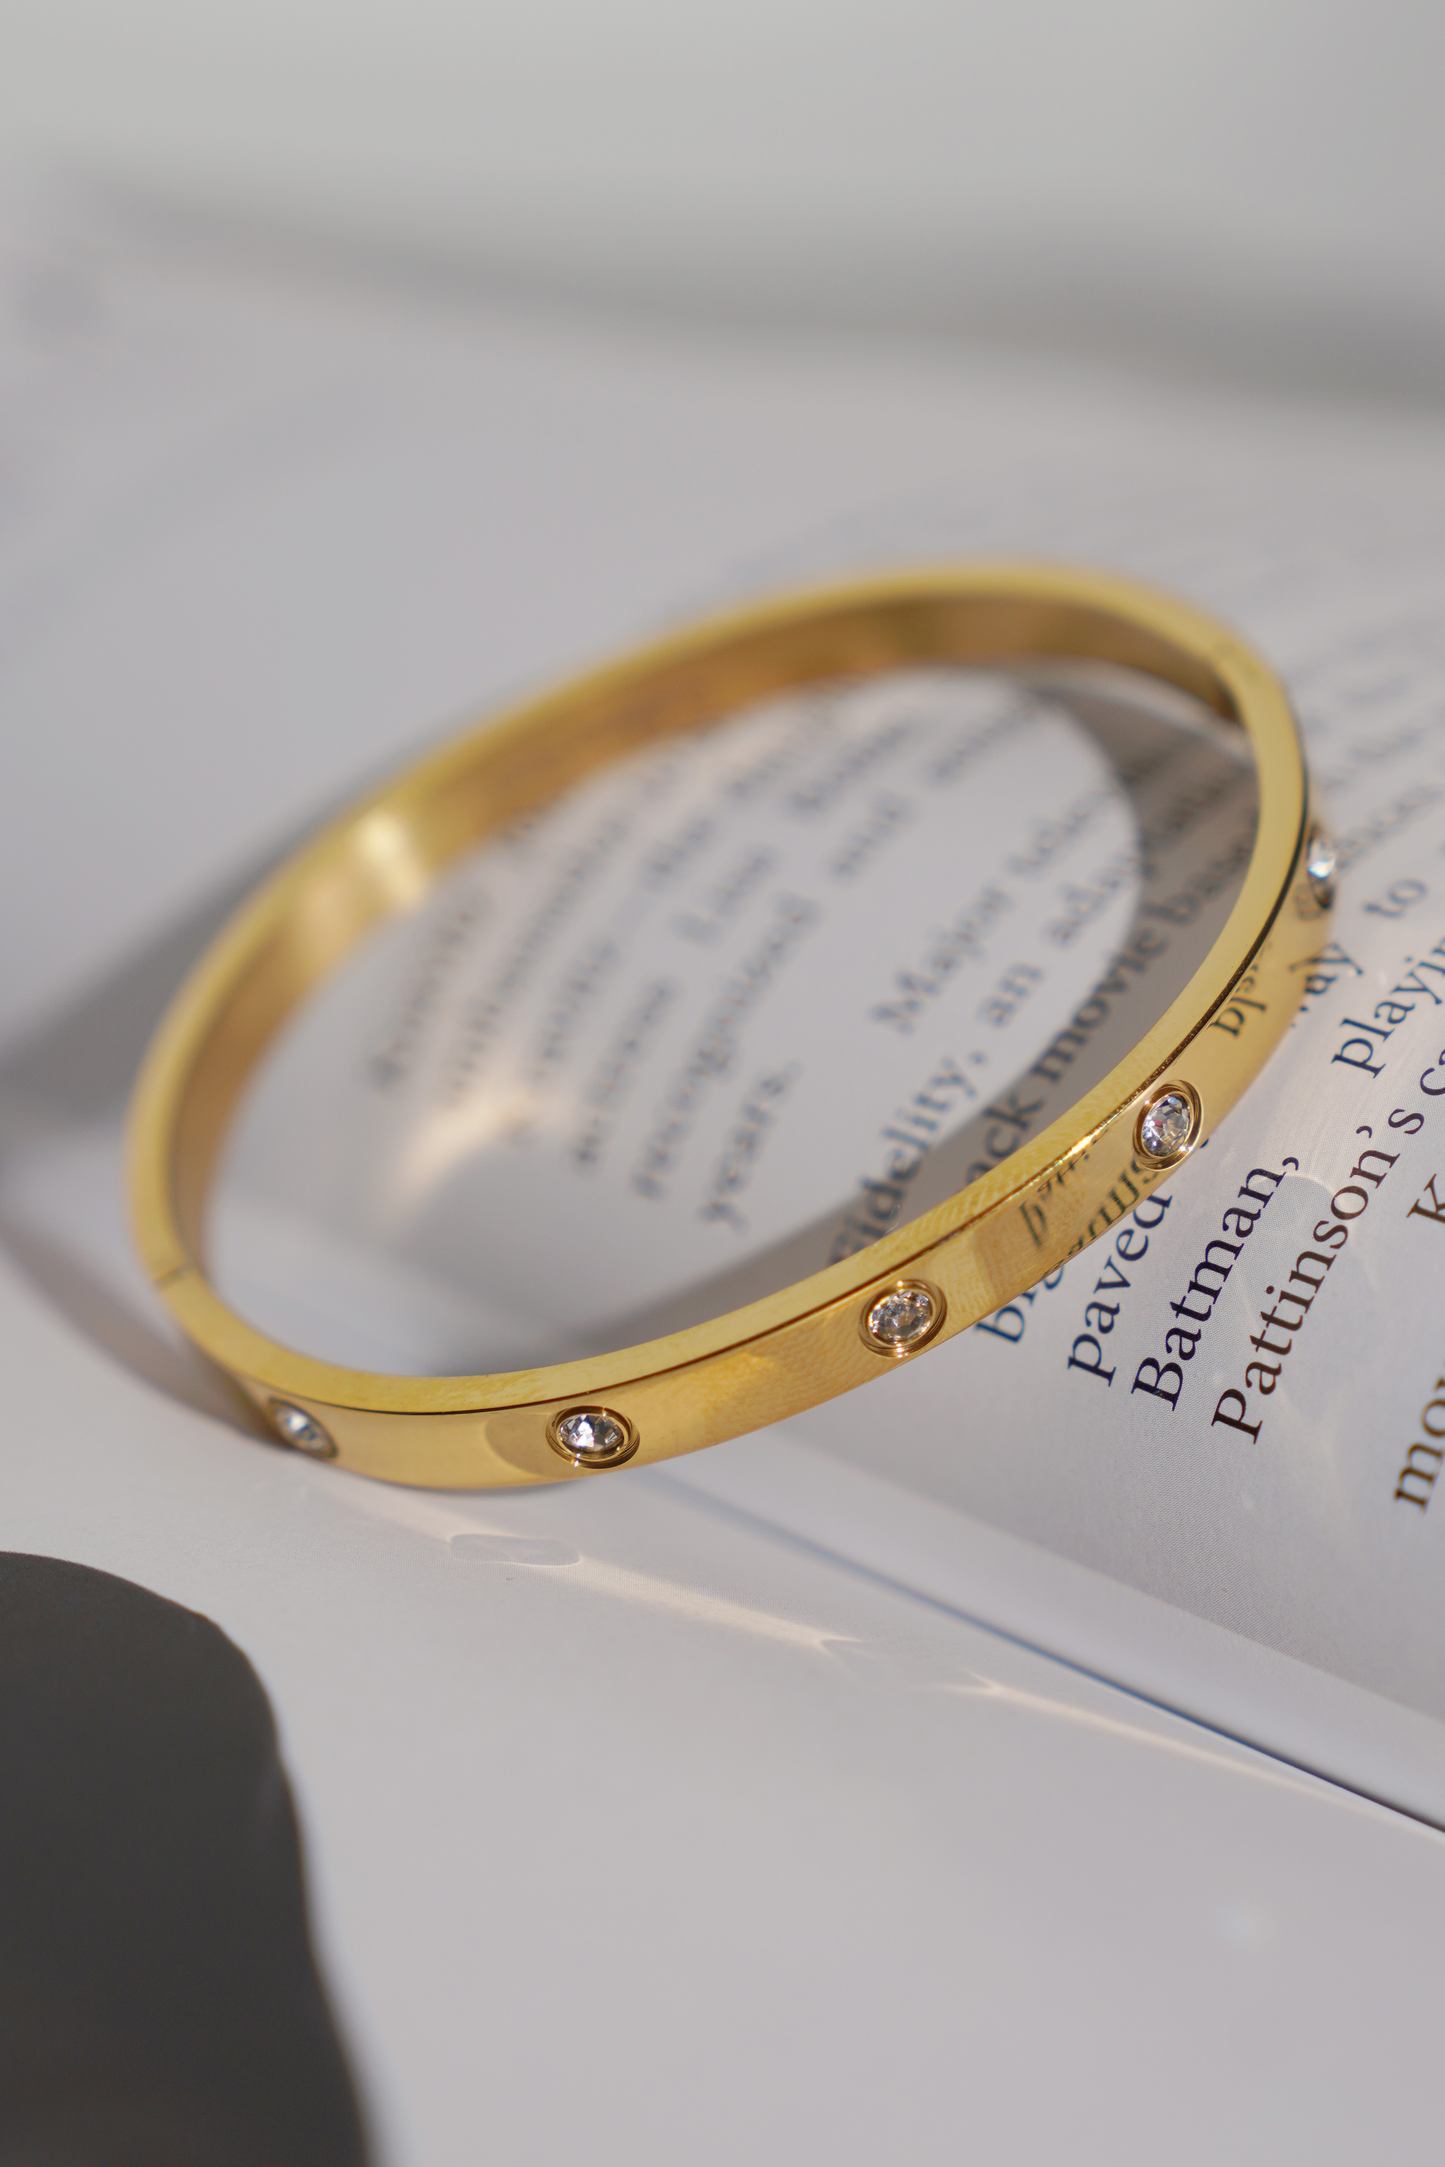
[774,1357]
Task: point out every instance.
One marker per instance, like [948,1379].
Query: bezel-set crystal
[1322,861]
[903,1318]
[1168,1125]
[302,1432]
[592,1437]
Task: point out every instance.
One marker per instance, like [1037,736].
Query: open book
[1201,1460]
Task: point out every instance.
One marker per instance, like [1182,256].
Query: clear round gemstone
[902,1317]
[589,1433]
[295,1427]
[1167,1126]
[1321,864]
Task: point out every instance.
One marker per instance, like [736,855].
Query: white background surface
[703,1847]
[698,1845]
[1253,183]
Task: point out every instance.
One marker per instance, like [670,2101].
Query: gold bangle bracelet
[914,1287]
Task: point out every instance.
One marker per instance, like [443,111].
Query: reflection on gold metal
[1170,1123]
[397,863]
[453,1133]
[978,1250]
[900,1319]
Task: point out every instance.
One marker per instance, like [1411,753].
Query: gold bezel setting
[298,1429]
[920,1311]
[1321,866]
[1173,1154]
[614,1438]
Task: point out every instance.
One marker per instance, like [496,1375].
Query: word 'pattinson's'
[1295,1296]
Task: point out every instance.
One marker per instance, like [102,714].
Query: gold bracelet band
[917,1285]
